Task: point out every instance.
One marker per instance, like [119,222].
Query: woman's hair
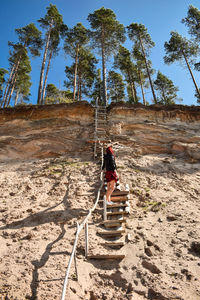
[110,151]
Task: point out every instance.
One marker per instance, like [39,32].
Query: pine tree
[181,49]
[123,62]
[86,71]
[53,24]
[166,89]
[76,39]
[116,86]
[23,83]
[55,96]
[107,34]
[29,40]
[138,34]
[141,70]
[97,92]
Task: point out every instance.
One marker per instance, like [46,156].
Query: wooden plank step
[101,129]
[116,224]
[117,213]
[118,198]
[113,221]
[117,201]
[106,256]
[116,193]
[113,244]
[120,193]
[117,205]
[111,232]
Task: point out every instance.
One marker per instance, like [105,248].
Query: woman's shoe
[109,203]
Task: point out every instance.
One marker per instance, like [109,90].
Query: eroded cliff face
[156,129]
[54,130]
[45,131]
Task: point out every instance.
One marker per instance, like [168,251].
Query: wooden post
[75,265]
[104,209]
[86,239]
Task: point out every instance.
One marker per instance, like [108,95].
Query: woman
[111,175]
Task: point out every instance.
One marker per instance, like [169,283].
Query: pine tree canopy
[166,89]
[192,21]
[30,37]
[103,22]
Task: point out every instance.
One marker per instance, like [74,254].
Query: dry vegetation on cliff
[41,200]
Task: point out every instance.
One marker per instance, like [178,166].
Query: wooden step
[113,221]
[117,213]
[113,244]
[101,129]
[117,205]
[106,256]
[117,193]
[116,224]
[111,232]
[118,198]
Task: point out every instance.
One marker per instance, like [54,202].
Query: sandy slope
[41,201]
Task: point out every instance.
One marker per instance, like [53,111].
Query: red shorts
[111,175]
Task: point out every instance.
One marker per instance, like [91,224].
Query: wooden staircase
[112,232]
[100,133]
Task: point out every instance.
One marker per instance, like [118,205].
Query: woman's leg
[110,189]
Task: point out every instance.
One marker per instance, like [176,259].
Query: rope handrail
[79,228]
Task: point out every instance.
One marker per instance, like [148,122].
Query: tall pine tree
[138,34]
[76,39]
[54,26]
[183,50]
[166,89]
[107,34]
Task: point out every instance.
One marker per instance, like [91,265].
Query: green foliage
[123,61]
[104,24]
[167,90]
[138,33]
[86,71]
[52,18]
[192,21]
[3,72]
[97,90]
[116,86]
[76,38]
[178,48]
[54,96]
[29,36]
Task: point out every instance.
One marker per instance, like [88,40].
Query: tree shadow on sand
[48,216]
[38,264]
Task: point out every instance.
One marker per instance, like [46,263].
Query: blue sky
[159,16]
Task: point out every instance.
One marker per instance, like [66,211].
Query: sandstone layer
[54,130]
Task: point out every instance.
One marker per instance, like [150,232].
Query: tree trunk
[46,76]
[135,92]
[39,100]
[104,68]
[7,85]
[195,84]
[11,92]
[142,89]
[75,72]
[131,85]
[12,84]
[80,89]
[148,72]
[16,97]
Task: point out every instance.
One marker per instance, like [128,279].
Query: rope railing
[79,228]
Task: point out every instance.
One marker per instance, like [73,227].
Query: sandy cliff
[53,130]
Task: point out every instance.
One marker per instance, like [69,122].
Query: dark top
[109,162]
